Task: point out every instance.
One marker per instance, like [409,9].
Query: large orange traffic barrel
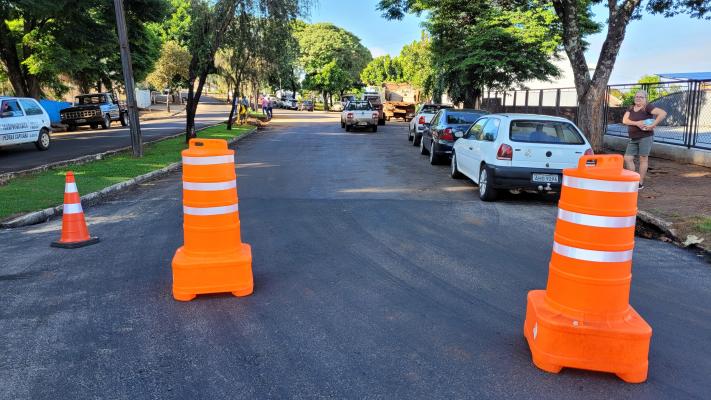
[213,259]
[584,320]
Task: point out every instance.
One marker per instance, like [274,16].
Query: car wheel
[71,128]
[93,126]
[42,142]
[434,158]
[486,192]
[124,119]
[415,139]
[423,150]
[343,125]
[381,121]
[348,128]
[454,171]
[409,135]
[106,122]
[374,128]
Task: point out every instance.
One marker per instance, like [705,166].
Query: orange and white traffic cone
[583,319]
[213,259]
[74,231]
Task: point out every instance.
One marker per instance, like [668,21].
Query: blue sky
[653,44]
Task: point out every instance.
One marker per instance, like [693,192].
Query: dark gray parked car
[438,137]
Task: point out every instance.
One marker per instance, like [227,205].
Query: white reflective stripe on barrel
[592,255]
[72,208]
[211,210]
[209,186]
[70,187]
[596,220]
[600,186]
[212,160]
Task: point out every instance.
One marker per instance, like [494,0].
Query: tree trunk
[591,115]
[235,93]
[9,56]
[591,91]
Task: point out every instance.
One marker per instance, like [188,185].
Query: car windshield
[463,117]
[97,99]
[545,132]
[359,106]
[432,108]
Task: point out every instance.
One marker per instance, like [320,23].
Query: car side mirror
[6,114]
[426,125]
[458,134]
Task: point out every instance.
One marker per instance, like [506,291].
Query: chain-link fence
[688,107]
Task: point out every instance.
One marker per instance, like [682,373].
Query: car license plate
[81,120]
[362,123]
[546,178]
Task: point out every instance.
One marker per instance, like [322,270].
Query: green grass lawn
[704,224]
[46,189]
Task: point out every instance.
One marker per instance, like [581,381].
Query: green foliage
[382,69]
[43,40]
[650,83]
[326,46]
[478,44]
[416,62]
[171,70]
[176,26]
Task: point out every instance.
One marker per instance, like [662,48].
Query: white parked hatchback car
[517,152]
[23,120]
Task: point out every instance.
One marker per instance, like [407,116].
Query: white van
[23,120]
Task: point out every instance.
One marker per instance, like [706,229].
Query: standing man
[265,104]
[641,119]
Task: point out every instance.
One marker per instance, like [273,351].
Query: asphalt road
[376,277]
[69,145]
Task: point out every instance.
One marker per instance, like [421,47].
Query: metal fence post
[540,101]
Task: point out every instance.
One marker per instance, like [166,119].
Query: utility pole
[134,125]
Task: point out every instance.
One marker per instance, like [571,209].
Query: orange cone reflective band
[74,231]
[583,319]
[213,259]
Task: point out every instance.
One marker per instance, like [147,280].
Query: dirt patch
[681,195]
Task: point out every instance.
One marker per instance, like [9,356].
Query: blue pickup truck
[98,109]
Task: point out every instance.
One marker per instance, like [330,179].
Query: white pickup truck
[359,114]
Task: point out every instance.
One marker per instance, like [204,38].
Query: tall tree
[382,69]
[478,44]
[40,41]
[591,88]
[171,70]
[210,23]
[325,52]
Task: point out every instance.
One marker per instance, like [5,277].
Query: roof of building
[688,76]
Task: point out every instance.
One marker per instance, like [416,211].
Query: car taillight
[589,152]
[349,115]
[505,152]
[421,120]
[375,115]
[447,134]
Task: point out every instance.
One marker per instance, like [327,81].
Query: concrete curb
[667,228]
[88,200]
[7,176]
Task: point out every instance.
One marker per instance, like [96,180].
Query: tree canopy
[42,40]
[479,44]
[382,69]
[331,57]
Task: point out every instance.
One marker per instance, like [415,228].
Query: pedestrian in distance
[265,104]
[641,119]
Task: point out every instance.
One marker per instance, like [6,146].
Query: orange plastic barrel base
[557,341]
[231,272]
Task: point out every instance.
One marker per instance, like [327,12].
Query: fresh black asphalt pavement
[85,141]
[377,276]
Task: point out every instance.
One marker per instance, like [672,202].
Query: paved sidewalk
[158,111]
[679,194]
